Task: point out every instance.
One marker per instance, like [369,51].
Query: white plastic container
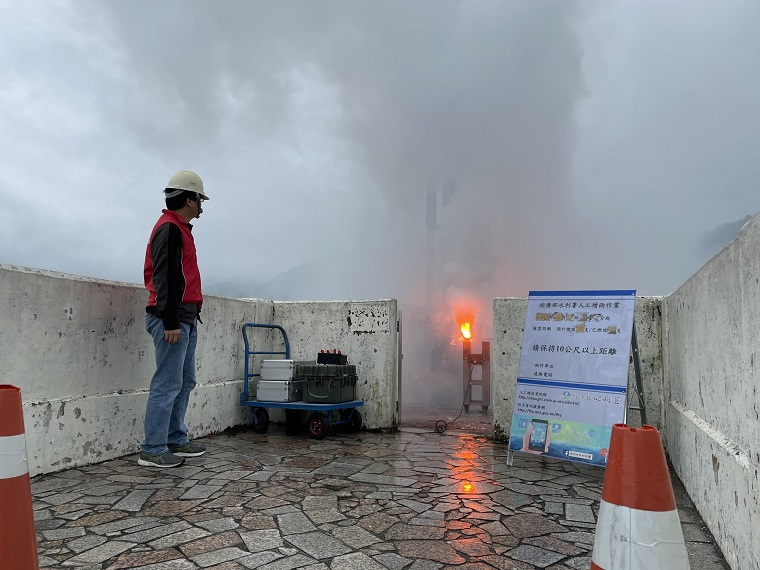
[279,390]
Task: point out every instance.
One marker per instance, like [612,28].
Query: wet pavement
[475,421]
[412,499]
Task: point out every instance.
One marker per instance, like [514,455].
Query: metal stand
[470,361]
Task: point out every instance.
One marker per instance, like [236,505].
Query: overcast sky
[590,145]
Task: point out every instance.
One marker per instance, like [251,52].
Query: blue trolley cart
[323,416]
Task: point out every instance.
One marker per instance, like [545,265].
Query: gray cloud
[407,96]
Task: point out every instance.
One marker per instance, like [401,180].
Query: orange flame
[464,321]
[464,312]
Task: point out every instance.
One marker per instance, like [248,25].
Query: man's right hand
[172,337]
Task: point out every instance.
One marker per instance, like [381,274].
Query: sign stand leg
[510,457]
[639,385]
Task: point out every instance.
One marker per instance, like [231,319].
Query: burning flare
[464,318]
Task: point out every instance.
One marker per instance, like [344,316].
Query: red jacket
[171,272]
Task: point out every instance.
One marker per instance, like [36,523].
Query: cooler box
[305,368]
[322,390]
[348,388]
[279,390]
[329,383]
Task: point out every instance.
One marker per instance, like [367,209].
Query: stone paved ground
[475,421]
[412,499]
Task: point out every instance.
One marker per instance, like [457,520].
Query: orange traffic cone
[18,541]
[638,526]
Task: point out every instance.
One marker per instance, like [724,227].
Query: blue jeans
[170,387]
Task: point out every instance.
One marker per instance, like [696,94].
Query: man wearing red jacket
[174,304]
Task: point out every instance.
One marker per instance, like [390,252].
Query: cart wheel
[260,420]
[353,419]
[318,425]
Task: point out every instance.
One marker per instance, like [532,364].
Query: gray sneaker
[165,459]
[190,449]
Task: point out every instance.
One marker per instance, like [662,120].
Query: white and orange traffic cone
[18,541]
[638,526]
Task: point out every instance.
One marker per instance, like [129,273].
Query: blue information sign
[573,374]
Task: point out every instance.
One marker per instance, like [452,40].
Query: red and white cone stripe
[638,526]
[18,541]
[631,539]
[13,456]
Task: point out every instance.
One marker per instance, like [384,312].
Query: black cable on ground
[441,425]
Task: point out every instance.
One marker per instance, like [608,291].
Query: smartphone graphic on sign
[538,433]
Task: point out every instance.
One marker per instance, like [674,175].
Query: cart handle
[262,326]
[249,353]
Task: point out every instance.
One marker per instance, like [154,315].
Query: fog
[572,145]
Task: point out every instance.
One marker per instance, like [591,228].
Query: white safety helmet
[187,181]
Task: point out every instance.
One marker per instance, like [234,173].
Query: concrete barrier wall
[367,332]
[712,413]
[508,327]
[78,349]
